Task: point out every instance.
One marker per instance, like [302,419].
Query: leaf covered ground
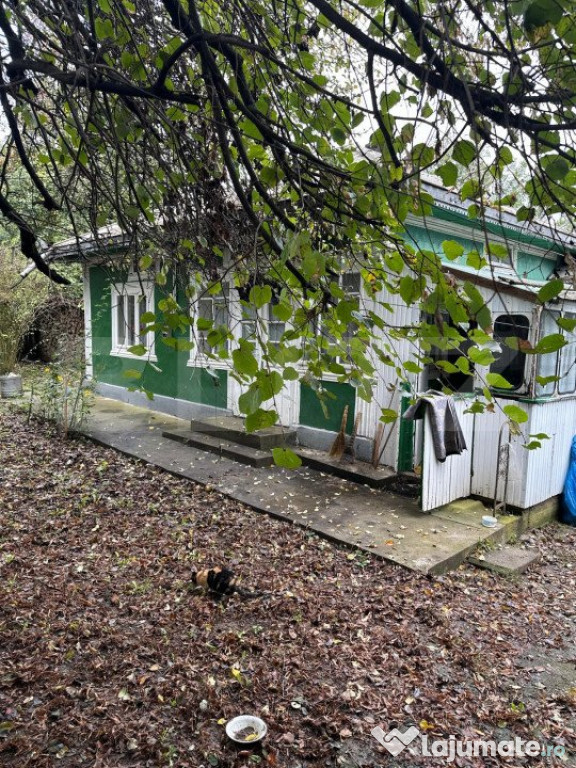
[109,657]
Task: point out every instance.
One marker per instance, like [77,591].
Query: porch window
[561,363]
[548,364]
[511,363]
[437,377]
[567,366]
[129,303]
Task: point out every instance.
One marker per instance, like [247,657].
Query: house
[499,463]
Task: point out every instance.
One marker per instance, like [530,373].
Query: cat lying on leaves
[221,581]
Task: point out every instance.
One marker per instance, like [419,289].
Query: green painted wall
[432,241]
[533,267]
[174,379]
[513,235]
[336,397]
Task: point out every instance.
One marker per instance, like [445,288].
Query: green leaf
[131,373]
[260,419]
[464,152]
[542,12]
[470,190]
[448,173]
[567,323]
[498,381]
[290,374]
[270,384]
[543,380]
[551,343]
[557,169]
[452,249]
[249,401]
[183,345]
[474,260]
[282,311]
[550,290]
[284,457]
[243,359]
[260,295]
[481,356]
[137,349]
[498,250]
[388,415]
[515,413]
[477,306]
[412,367]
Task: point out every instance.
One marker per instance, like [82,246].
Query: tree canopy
[280,142]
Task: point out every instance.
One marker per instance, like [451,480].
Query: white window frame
[342,277]
[128,295]
[199,357]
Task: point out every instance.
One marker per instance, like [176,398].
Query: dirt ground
[110,658]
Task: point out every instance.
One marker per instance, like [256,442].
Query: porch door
[443,482]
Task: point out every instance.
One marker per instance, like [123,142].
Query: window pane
[120,321]
[547,364]
[130,320]
[249,317]
[567,383]
[141,310]
[510,363]
[351,283]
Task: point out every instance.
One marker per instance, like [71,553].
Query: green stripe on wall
[323,410]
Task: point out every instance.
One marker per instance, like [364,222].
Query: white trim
[86,295]
[137,289]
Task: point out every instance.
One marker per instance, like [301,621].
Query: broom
[339,443]
[349,454]
[376,445]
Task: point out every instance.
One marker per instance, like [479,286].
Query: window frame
[522,386]
[123,292]
[559,355]
[200,357]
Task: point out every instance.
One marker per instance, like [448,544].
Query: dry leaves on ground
[109,657]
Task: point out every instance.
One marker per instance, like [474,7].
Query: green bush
[10,336]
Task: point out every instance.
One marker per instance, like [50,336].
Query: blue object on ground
[568,501]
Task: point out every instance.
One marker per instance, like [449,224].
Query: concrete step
[244,454]
[357,472]
[508,560]
[232,429]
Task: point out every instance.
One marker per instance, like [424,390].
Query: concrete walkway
[381,523]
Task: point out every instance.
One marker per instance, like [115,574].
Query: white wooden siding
[487,462]
[547,466]
[443,482]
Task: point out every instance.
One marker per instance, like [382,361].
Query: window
[215,310]
[129,303]
[567,367]
[511,363]
[561,363]
[442,372]
[351,284]
[273,327]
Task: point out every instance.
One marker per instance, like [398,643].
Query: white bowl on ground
[238,724]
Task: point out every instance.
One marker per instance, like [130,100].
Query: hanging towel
[447,435]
